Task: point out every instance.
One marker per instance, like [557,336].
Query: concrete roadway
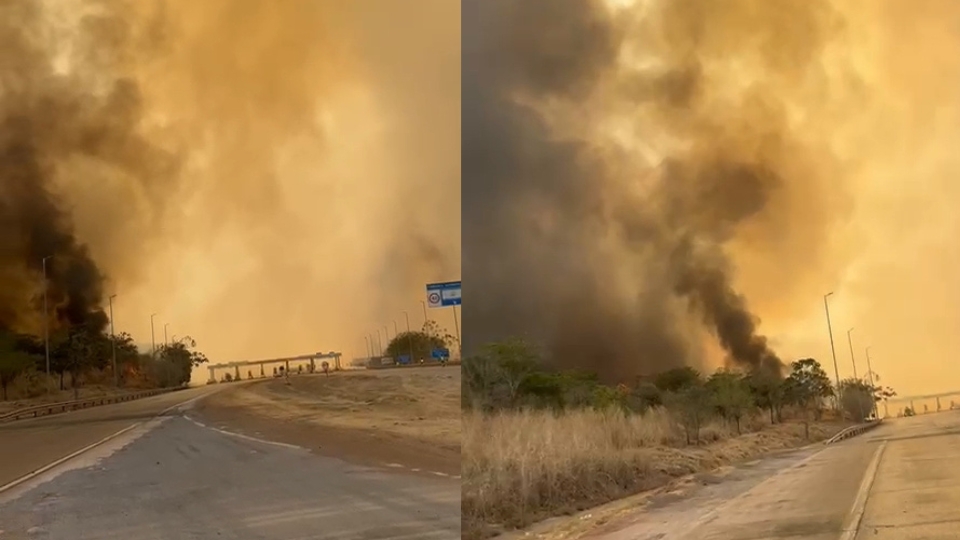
[900,481]
[166,477]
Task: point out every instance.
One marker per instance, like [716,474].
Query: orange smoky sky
[302,179]
[771,151]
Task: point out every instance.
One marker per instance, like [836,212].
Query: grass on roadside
[522,467]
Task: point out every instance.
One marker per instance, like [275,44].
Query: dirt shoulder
[407,418]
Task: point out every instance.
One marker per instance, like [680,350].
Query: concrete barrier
[852,431]
[47,409]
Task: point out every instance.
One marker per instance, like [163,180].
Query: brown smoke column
[271,177]
[620,258]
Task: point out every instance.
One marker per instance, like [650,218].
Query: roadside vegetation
[539,442]
[81,364]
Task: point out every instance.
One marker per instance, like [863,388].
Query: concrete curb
[852,431]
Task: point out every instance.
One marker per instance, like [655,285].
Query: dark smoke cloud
[269,177]
[48,119]
[616,267]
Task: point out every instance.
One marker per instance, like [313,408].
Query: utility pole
[369,347]
[46,320]
[833,350]
[113,345]
[153,339]
[165,342]
[425,318]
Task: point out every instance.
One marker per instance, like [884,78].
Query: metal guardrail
[853,431]
[47,409]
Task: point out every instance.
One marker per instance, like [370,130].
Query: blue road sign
[443,294]
[440,353]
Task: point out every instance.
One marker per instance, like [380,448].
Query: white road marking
[246,437]
[860,503]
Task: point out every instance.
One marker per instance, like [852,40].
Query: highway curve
[168,477]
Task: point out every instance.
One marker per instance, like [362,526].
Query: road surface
[168,477]
[900,481]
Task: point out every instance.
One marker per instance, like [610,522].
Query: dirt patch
[405,417]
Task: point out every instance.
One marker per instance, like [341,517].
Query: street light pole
[425,318]
[113,345]
[833,350]
[853,360]
[870,379]
[369,347]
[165,342]
[153,339]
[46,320]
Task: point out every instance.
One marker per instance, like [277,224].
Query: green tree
[807,386]
[13,362]
[127,353]
[677,379]
[435,331]
[691,405]
[176,360]
[857,398]
[516,360]
[730,395]
[644,397]
[768,393]
[419,343]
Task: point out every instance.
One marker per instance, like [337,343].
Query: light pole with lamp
[153,339]
[856,379]
[833,350]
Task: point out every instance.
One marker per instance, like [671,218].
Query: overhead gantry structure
[285,362]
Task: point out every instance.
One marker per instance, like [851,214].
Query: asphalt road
[167,477]
[900,481]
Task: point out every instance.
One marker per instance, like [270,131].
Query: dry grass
[519,468]
[423,403]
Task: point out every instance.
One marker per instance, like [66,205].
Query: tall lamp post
[853,361]
[113,345]
[870,381]
[153,338]
[833,349]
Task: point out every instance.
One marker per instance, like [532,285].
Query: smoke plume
[271,178]
[620,160]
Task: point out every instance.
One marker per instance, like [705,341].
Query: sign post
[446,294]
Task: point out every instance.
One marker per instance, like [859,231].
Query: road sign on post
[443,294]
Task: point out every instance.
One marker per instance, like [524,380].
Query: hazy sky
[317,152]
